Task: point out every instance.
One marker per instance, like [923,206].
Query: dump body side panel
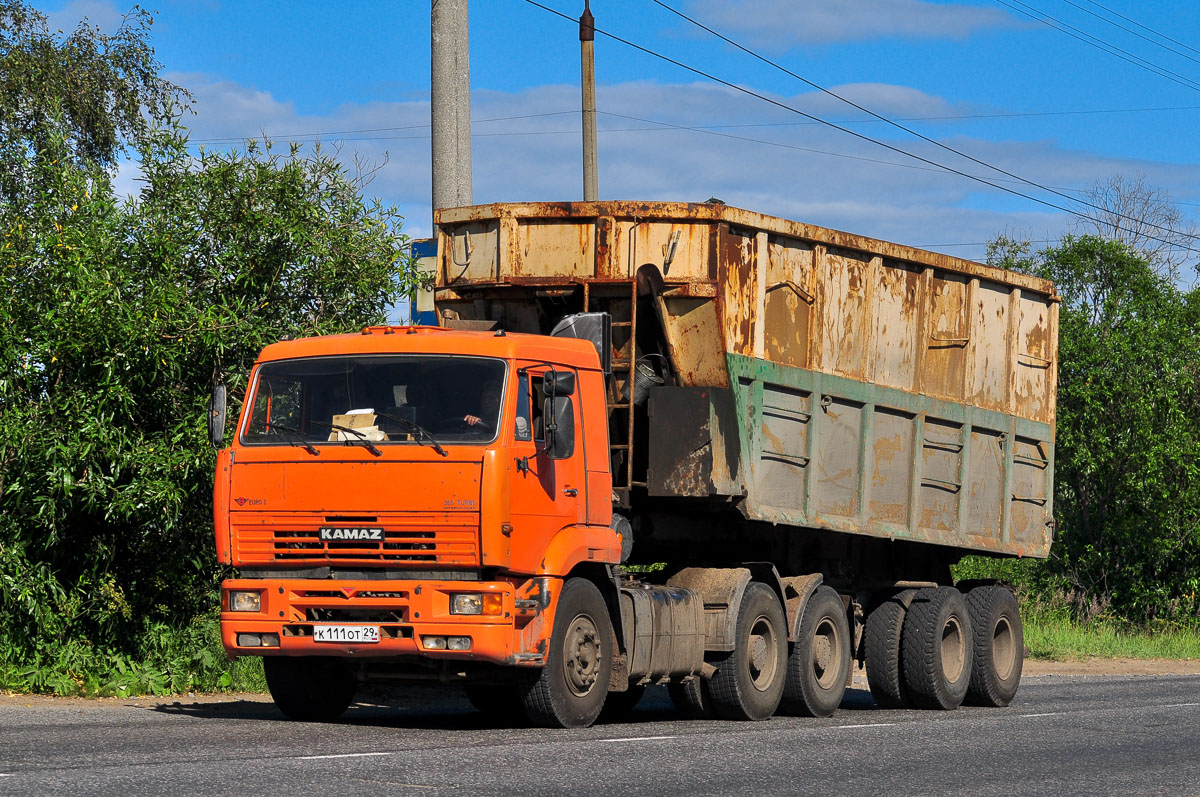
[829,452]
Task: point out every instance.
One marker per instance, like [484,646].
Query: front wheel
[310,688]
[569,691]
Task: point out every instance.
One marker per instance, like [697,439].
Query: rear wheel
[310,688]
[820,658]
[883,653]
[569,691]
[937,646]
[999,646]
[748,685]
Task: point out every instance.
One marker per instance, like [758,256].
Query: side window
[537,396]
[524,429]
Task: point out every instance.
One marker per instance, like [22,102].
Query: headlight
[491,603]
[466,603]
[245,600]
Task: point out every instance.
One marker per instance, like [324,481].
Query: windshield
[377,399]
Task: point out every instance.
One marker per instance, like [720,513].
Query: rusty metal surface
[703,212]
[881,389]
[693,448]
[730,281]
[825,451]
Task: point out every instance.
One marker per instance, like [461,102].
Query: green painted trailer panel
[825,451]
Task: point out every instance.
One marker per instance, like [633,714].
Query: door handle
[571,491]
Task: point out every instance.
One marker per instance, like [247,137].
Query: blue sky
[978,76]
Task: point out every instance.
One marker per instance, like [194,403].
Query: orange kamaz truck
[648,443]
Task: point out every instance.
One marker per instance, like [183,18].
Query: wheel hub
[581,655]
[762,650]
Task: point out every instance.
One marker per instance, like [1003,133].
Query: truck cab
[409,499]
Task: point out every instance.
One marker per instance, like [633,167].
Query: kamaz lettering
[328,534]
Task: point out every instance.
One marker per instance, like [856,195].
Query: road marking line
[638,739]
[1180,705]
[1047,714]
[339,755]
[867,725]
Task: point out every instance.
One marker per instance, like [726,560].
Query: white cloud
[781,24]
[98,13]
[797,170]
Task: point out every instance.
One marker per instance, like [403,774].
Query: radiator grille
[428,541]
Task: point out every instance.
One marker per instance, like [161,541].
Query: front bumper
[404,611]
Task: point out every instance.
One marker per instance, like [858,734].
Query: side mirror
[560,383]
[216,416]
[560,427]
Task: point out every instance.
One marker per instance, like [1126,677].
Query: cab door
[547,494]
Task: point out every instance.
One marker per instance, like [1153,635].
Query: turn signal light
[493,603]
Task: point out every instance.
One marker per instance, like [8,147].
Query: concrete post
[450,104]
[587,36]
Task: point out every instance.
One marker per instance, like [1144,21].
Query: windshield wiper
[423,436]
[361,438]
[293,437]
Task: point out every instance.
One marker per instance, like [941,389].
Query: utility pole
[587,36]
[450,104]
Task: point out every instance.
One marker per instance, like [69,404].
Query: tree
[118,316]
[1127,454]
[1144,218]
[84,97]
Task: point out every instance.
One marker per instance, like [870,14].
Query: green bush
[118,316]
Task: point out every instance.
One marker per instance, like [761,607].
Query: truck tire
[883,652]
[999,646]
[692,699]
[618,705]
[748,684]
[937,645]
[310,688]
[820,658]
[569,691]
[499,702]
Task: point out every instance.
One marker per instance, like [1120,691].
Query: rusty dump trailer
[826,399]
[756,462]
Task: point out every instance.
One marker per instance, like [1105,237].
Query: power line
[1131,31]
[222,139]
[808,82]
[941,118]
[1140,25]
[660,126]
[713,131]
[1092,41]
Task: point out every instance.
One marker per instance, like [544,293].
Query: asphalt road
[1062,736]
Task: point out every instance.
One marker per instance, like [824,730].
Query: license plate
[346,633]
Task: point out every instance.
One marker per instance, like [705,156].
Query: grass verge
[1055,637]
